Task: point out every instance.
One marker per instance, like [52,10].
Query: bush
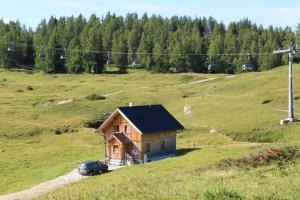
[297,98]
[267,101]
[95,123]
[29,87]
[264,157]
[95,97]
[62,130]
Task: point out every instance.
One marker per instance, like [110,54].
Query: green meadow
[44,133]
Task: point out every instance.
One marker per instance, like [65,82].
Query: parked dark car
[215,68]
[92,167]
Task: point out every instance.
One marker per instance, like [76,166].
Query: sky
[266,12]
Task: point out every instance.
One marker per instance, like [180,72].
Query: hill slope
[42,134]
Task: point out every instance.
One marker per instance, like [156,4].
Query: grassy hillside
[189,177]
[231,116]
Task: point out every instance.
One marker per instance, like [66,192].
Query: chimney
[130,104]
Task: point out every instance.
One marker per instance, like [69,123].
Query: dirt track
[183,84]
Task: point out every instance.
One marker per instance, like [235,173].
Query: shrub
[62,130]
[95,97]
[264,157]
[297,98]
[29,87]
[267,101]
[95,123]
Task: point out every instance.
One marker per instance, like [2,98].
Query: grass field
[231,116]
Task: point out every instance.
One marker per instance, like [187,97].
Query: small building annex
[137,134]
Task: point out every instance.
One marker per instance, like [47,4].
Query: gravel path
[285,111]
[193,82]
[48,186]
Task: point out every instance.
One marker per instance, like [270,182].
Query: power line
[41,48]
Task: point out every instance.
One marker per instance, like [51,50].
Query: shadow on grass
[183,151]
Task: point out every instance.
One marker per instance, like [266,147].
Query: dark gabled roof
[151,118]
[122,138]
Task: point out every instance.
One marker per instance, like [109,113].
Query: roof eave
[170,130]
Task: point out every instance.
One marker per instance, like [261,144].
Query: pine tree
[145,49]
[119,48]
[288,40]
[160,44]
[160,30]
[297,39]
[160,59]
[197,46]
[266,61]
[40,41]
[231,47]
[254,50]
[179,48]
[216,47]
[245,48]
[14,45]
[133,43]
[53,62]
[91,42]
[74,63]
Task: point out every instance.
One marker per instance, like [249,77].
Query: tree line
[177,44]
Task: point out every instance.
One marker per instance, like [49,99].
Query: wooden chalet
[137,134]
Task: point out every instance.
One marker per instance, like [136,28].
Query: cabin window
[127,129]
[116,129]
[162,145]
[147,147]
[115,149]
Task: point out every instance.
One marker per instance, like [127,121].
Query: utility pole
[291,51]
